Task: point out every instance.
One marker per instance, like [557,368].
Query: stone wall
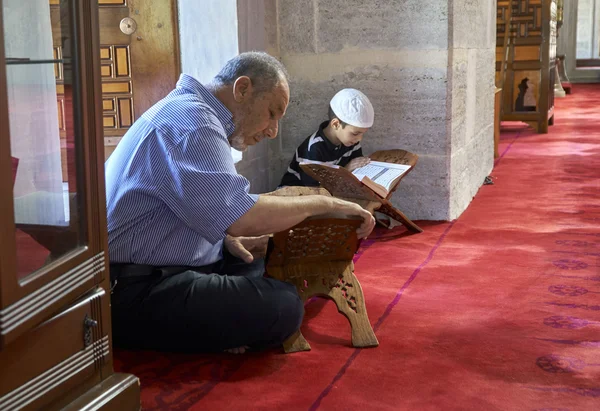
[472,60]
[422,76]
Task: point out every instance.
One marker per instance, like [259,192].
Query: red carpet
[499,310]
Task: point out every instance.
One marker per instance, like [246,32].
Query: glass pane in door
[44,131]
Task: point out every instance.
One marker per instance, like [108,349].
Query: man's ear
[242,89]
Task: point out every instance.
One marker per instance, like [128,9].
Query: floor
[498,310]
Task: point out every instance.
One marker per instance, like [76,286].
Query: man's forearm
[272,214]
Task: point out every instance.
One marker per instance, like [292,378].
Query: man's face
[348,135]
[257,115]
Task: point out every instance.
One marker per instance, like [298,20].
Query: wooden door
[139,60]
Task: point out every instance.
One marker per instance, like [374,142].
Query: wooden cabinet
[529,58]
[55,330]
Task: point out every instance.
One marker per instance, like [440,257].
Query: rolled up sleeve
[202,186]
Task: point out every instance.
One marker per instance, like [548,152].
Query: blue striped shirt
[172,189]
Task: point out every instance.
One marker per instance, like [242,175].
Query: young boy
[336,141]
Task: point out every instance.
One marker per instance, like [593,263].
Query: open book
[380,177]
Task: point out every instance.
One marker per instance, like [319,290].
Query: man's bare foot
[238,350]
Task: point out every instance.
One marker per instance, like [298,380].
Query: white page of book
[390,165]
[323,163]
[381,173]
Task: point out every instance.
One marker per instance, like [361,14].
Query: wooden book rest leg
[316,257]
[388,209]
[345,290]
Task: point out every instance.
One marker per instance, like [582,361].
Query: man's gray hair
[264,70]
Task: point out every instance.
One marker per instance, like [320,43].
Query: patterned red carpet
[499,310]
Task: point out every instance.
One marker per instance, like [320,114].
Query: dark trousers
[225,305]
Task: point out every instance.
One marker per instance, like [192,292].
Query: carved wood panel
[526,19]
[117,88]
[315,241]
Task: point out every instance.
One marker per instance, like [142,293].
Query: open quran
[378,176]
[370,186]
[376,180]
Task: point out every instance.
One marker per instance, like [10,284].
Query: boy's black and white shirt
[317,147]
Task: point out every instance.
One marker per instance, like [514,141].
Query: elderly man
[182,225]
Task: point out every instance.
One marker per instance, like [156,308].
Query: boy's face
[348,135]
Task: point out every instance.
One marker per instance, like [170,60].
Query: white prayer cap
[353,107]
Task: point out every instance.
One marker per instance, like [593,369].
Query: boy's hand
[358,162]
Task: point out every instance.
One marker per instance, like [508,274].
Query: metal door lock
[88,324]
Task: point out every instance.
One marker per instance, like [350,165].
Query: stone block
[255,167]
[271,37]
[471,110]
[392,24]
[423,194]
[431,172]
[459,90]
[462,184]
[469,167]
[464,92]
[410,111]
[405,83]
[421,140]
[422,203]
[277,168]
[307,108]
[297,26]
[472,94]
[483,153]
[485,86]
[470,24]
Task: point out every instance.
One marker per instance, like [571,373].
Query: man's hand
[351,209]
[247,248]
[358,162]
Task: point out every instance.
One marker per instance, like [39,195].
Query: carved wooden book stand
[341,183]
[316,256]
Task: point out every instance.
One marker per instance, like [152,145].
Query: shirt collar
[321,134]
[223,114]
